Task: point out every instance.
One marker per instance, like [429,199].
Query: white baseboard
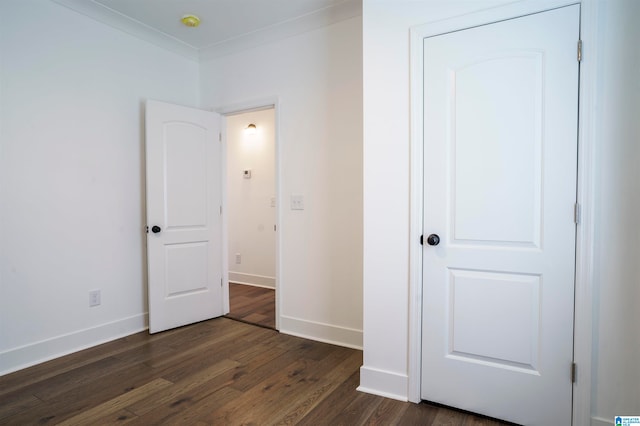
[327,333]
[599,421]
[35,353]
[250,279]
[383,383]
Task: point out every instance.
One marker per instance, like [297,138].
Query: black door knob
[155,229]
[433,240]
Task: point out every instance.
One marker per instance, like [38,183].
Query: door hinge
[220,281]
[574,372]
[421,240]
[275,228]
[219,137]
[220,210]
[579,50]
[577,213]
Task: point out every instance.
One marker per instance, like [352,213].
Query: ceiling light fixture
[190,20]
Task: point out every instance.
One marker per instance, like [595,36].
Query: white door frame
[586,146]
[257,105]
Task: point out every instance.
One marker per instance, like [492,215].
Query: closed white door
[184,239]
[500,150]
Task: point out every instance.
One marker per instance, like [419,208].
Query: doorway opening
[251,207]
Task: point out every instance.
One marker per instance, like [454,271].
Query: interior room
[251,212]
[75,78]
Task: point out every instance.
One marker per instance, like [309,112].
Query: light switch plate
[297,202]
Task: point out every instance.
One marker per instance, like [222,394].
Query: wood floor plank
[16,403]
[423,414]
[215,372]
[255,305]
[449,418]
[61,383]
[260,371]
[472,420]
[190,412]
[334,403]
[329,376]
[312,382]
[181,388]
[191,349]
[65,364]
[241,348]
[114,418]
[149,352]
[265,399]
[105,387]
[358,411]
[76,400]
[167,408]
[118,403]
[389,412]
[267,349]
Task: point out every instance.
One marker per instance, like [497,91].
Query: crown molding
[309,22]
[330,15]
[130,26]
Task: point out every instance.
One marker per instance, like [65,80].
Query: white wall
[386,23]
[317,77]
[386,148]
[616,354]
[250,213]
[72,177]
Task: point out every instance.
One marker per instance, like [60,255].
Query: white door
[184,243]
[500,150]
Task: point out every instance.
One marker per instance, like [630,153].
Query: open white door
[500,126]
[184,236]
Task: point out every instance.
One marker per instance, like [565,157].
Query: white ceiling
[226,25]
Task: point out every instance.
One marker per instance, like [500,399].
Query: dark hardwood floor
[217,372]
[255,305]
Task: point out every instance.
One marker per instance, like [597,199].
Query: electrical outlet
[238,259]
[94,298]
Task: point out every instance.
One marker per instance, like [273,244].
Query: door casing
[586,147]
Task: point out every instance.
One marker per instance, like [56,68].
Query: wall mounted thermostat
[247,173]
